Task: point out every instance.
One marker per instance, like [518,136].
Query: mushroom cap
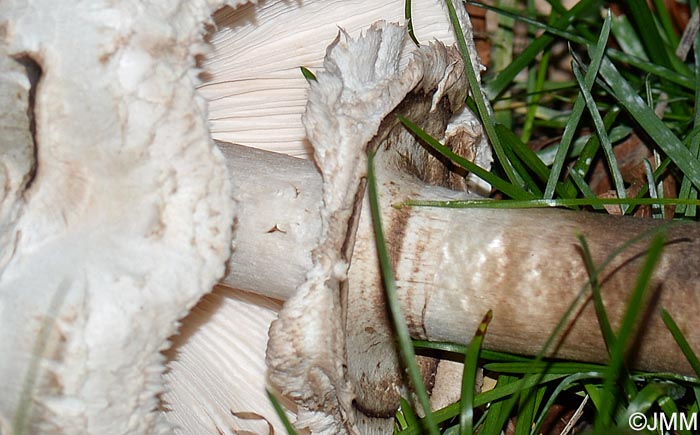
[124,224]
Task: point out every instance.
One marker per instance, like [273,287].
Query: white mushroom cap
[126,222]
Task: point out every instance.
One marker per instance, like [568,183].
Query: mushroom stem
[280,224]
[452,265]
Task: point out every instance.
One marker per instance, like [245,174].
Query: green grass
[623,67]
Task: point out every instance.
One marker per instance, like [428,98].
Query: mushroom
[332,349]
[116,213]
[202,400]
[117,210]
[332,333]
[110,237]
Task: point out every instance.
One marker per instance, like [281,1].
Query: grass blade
[535,92]
[495,420]
[627,38]
[590,149]
[546,203]
[409,21]
[666,22]
[618,350]
[556,367]
[650,37]
[481,104]
[471,362]
[657,211]
[571,125]
[584,188]
[646,398]
[308,75]
[528,182]
[606,329]
[460,350]
[650,123]
[603,320]
[493,180]
[530,400]
[602,137]
[280,413]
[681,341]
[411,420]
